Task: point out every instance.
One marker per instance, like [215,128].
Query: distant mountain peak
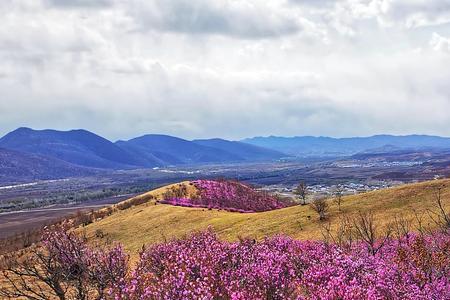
[324,146]
[79,146]
[84,148]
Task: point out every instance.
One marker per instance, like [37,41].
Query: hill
[229,195]
[29,167]
[242,150]
[78,147]
[327,146]
[152,223]
[171,150]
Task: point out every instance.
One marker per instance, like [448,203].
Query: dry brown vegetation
[152,222]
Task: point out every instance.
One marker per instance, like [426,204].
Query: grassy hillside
[152,223]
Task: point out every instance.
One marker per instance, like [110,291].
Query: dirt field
[21,221]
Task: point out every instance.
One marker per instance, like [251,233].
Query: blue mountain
[78,147]
[245,151]
[171,150]
[16,165]
[327,146]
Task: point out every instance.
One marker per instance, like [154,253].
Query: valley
[23,221]
[321,175]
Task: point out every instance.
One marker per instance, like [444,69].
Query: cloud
[412,13]
[79,3]
[440,43]
[315,3]
[223,68]
[244,19]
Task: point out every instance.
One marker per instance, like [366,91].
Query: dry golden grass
[151,223]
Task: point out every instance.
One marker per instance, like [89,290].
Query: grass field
[151,223]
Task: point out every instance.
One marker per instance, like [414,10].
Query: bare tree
[440,216]
[301,191]
[327,233]
[320,206]
[401,227]
[33,276]
[366,230]
[63,267]
[338,194]
[419,222]
[342,235]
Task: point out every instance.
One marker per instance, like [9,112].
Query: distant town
[324,190]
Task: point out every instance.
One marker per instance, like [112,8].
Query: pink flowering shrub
[203,267]
[64,267]
[231,196]
[84,266]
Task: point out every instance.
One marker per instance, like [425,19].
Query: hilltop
[153,222]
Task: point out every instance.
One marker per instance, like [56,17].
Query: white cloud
[411,13]
[245,19]
[224,68]
[79,3]
[440,43]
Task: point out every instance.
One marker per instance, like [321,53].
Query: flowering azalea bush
[229,195]
[64,267]
[203,267]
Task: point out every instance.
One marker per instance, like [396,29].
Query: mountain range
[159,150]
[304,146]
[28,167]
[79,151]
[79,147]
[48,154]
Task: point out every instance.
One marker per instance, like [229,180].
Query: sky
[226,68]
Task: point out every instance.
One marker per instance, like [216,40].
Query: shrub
[134,202]
[178,191]
[64,267]
[229,195]
[84,218]
[201,266]
[320,206]
[99,233]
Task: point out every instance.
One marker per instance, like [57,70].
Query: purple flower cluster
[231,196]
[88,268]
[201,266]
[204,267]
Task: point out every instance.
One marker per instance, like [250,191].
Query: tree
[301,191]
[367,231]
[320,206]
[338,194]
[63,267]
[440,216]
[342,235]
[401,227]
